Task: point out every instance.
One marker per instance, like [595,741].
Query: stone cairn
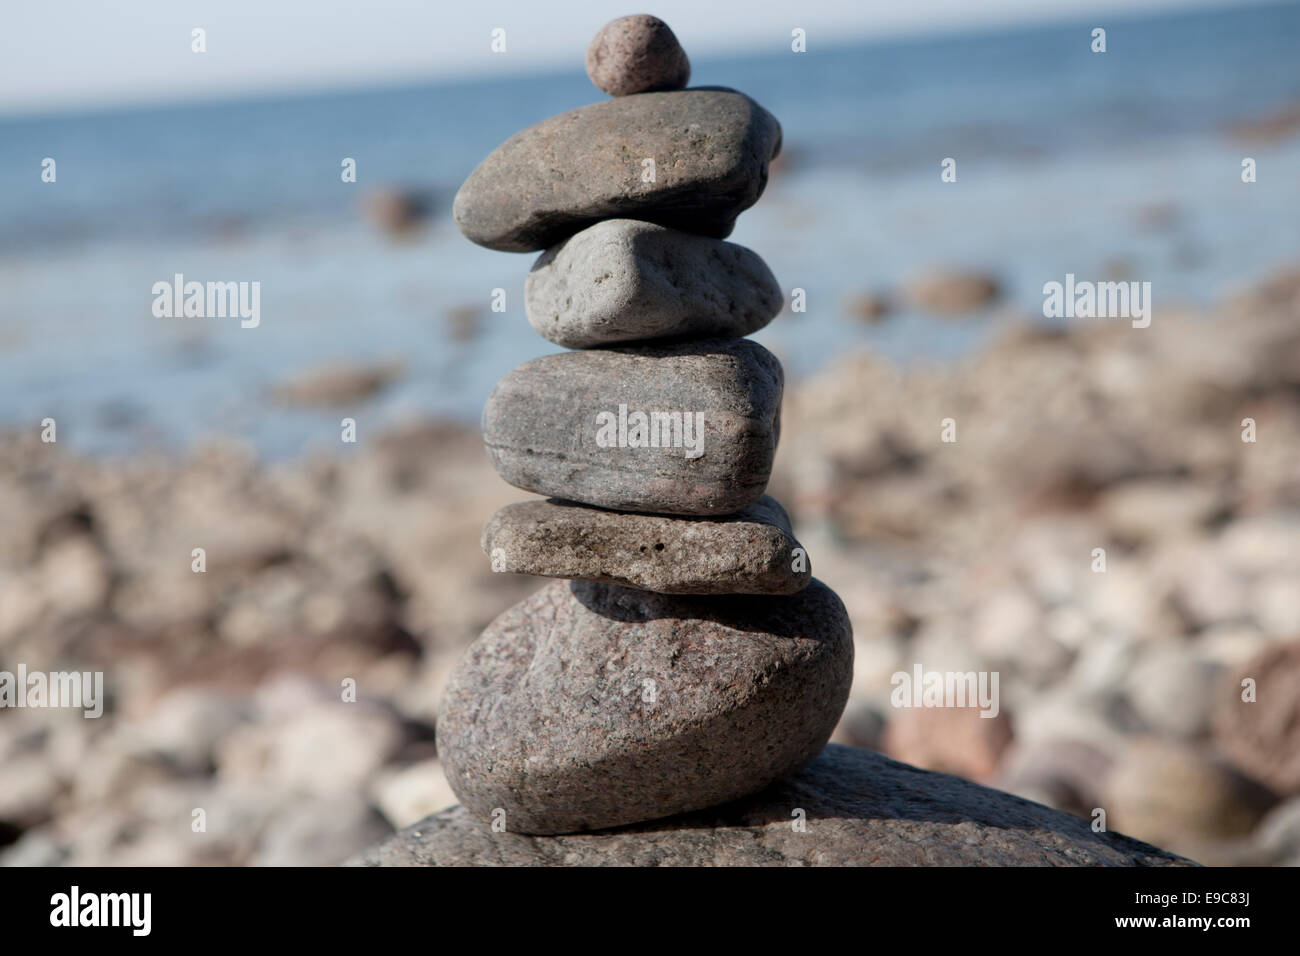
[689,659]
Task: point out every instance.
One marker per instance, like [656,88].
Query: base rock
[863,809]
[590,706]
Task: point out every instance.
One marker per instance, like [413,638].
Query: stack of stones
[689,658]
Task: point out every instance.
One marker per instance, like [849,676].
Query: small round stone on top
[637,54]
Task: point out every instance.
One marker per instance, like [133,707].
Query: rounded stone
[623,280]
[637,54]
[590,706]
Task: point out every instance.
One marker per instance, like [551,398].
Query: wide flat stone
[566,426]
[710,146]
[859,808]
[622,280]
[590,705]
[752,552]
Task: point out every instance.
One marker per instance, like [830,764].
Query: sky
[79,54]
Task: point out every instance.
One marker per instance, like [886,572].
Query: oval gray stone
[555,426]
[711,148]
[589,705]
[622,280]
[637,54]
[753,552]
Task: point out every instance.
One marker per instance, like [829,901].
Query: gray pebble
[556,426]
[623,280]
[637,54]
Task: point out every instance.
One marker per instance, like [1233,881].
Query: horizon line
[266,90]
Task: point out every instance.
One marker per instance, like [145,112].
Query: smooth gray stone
[622,280]
[544,423]
[637,54]
[711,148]
[590,705]
[753,552]
[860,809]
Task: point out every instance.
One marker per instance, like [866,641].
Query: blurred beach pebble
[1172,689]
[1175,796]
[114,767]
[464,322]
[877,656]
[1207,588]
[868,308]
[958,740]
[1053,555]
[1273,126]
[1066,714]
[1230,646]
[1123,601]
[319,750]
[1278,836]
[1256,719]
[187,724]
[30,788]
[1150,509]
[1007,623]
[1276,602]
[396,212]
[1258,544]
[951,293]
[1103,664]
[338,384]
[862,725]
[75,576]
[1068,774]
[34,848]
[406,795]
[319,832]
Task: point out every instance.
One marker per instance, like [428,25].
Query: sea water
[1067,162]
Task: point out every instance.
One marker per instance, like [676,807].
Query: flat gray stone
[710,146]
[622,280]
[860,809]
[637,54]
[555,426]
[753,552]
[590,705]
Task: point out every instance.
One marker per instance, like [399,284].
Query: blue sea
[1068,161]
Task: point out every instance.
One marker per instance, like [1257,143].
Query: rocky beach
[224,687]
[311,661]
